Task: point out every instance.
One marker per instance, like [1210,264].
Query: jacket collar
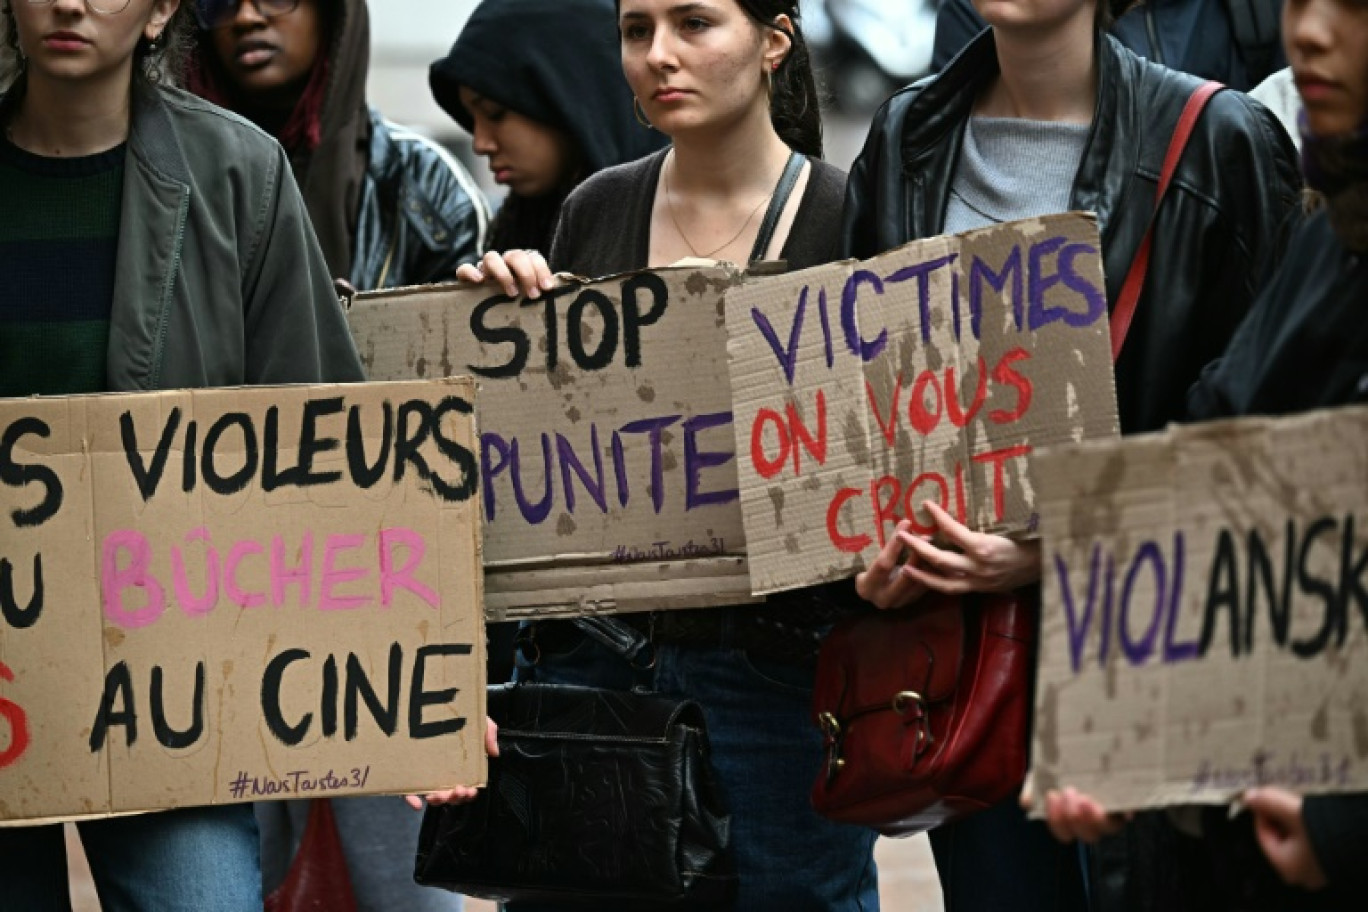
[936,120]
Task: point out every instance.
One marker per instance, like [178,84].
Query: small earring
[154,44]
[640,114]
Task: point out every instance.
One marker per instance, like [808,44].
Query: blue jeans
[766,752]
[999,860]
[192,860]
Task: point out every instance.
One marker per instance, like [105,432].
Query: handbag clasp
[831,728]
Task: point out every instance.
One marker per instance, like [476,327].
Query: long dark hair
[794,108]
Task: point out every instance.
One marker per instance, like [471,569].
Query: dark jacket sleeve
[956,26]
[1338,826]
[458,233]
[295,330]
[861,212]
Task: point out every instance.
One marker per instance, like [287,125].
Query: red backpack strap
[1135,279]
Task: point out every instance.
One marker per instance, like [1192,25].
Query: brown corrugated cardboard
[608,478]
[225,595]
[1205,610]
[930,372]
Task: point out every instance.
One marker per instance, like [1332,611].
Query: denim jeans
[192,860]
[766,752]
[999,860]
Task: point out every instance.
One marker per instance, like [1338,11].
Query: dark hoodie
[556,62]
[328,137]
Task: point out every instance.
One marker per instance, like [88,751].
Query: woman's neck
[1045,74]
[745,158]
[66,119]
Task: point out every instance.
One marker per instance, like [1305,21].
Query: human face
[697,65]
[67,40]
[1035,15]
[529,157]
[1327,46]
[270,57]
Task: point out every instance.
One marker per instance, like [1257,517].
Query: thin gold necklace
[669,205]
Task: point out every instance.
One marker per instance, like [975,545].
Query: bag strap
[618,637]
[1135,279]
[782,191]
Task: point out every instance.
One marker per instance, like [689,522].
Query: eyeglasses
[216,14]
[103,7]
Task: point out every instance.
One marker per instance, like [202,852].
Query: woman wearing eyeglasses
[148,242]
[390,207]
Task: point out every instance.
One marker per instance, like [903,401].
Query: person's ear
[778,44]
[162,11]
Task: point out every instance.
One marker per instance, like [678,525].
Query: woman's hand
[982,563]
[521,273]
[886,584]
[461,794]
[1282,835]
[1072,815]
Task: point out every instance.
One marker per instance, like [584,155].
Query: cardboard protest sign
[219,596]
[608,479]
[931,372]
[1206,605]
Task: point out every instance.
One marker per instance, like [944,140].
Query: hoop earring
[640,114]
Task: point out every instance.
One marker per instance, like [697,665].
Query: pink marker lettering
[300,575]
[113,580]
[230,575]
[334,576]
[189,602]
[402,577]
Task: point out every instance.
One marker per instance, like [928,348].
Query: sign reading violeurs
[223,595]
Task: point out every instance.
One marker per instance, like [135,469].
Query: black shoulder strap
[1256,26]
[782,191]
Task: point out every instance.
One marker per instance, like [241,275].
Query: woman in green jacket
[150,241]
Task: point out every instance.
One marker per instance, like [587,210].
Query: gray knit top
[1013,169]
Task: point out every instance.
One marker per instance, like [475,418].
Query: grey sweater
[605,225]
[1013,169]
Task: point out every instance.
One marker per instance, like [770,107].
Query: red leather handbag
[924,711]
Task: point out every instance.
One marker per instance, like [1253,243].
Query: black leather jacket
[1219,235]
[420,214]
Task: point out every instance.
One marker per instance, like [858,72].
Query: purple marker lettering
[922,273]
[1138,653]
[654,427]
[695,462]
[534,513]
[865,351]
[491,444]
[788,358]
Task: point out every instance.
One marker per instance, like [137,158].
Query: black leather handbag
[598,799]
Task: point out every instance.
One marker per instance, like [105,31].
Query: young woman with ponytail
[729,82]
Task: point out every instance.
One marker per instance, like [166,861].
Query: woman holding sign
[729,82]
[1304,346]
[151,242]
[1045,112]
